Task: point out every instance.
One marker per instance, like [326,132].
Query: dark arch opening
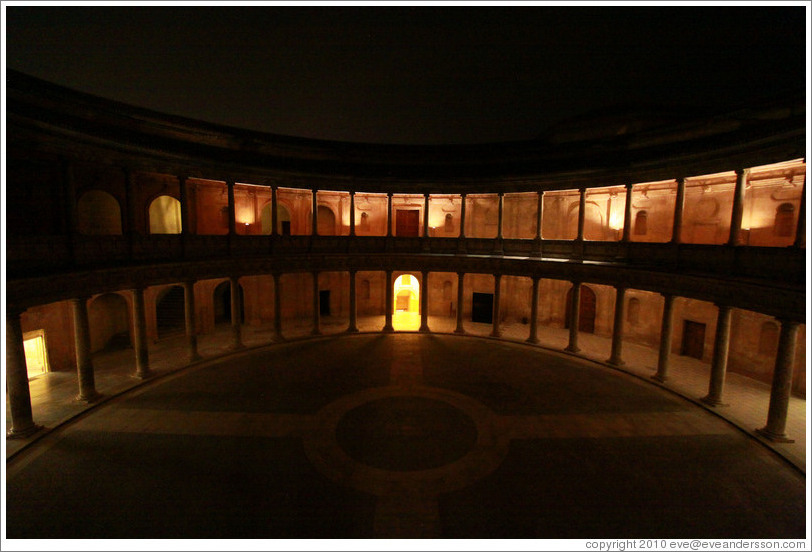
[586,312]
[222,303]
[170,312]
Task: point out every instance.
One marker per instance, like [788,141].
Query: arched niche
[98,214]
[164,215]
[326,221]
[109,323]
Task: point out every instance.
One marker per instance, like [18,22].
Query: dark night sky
[411,74]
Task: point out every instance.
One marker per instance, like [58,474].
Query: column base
[90,398]
[195,357]
[532,340]
[573,350]
[23,433]
[389,329]
[712,401]
[143,375]
[424,329]
[496,334]
[615,362]
[352,330]
[774,437]
[459,331]
[658,377]
[315,332]
[279,338]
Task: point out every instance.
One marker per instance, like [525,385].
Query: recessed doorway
[693,339]
[407,223]
[324,302]
[36,353]
[406,315]
[482,308]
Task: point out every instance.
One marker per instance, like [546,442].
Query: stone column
[353,328]
[84,363]
[460,280]
[738,206]
[19,394]
[575,312]
[666,333]
[425,215]
[499,232]
[236,313]
[627,216]
[534,312]
[184,212]
[387,327]
[142,369]
[497,293]
[616,357]
[277,306]
[189,313]
[352,214]
[316,305]
[540,210]
[274,211]
[581,213]
[800,229]
[775,430]
[424,303]
[462,217]
[721,348]
[679,207]
[314,220]
[232,210]
[389,215]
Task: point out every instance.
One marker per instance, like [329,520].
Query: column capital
[789,323]
[80,299]
[628,186]
[742,171]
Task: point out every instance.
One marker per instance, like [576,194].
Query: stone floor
[393,436]
[747,399]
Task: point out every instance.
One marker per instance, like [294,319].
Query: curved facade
[129,225]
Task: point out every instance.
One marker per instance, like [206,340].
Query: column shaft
[616,357]
[679,207]
[189,313]
[277,306]
[782,384]
[497,293]
[314,226]
[316,305]
[387,327]
[129,215]
[499,232]
[462,217]
[184,213]
[581,214]
[460,280]
[425,215]
[534,312]
[236,313]
[232,212]
[142,369]
[352,214]
[424,303]
[389,215]
[721,348]
[274,211]
[738,206]
[84,363]
[575,308]
[19,394]
[540,210]
[800,229]
[353,328]
[627,216]
[666,333]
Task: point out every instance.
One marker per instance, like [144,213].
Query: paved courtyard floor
[400,436]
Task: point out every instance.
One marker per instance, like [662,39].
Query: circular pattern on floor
[406,433]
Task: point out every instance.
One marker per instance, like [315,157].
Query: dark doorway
[324,302]
[482,308]
[586,312]
[170,312]
[285,228]
[693,339]
[222,304]
[407,223]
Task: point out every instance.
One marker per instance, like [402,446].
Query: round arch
[164,215]
[98,213]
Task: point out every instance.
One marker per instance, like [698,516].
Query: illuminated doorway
[406,315]
[36,353]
